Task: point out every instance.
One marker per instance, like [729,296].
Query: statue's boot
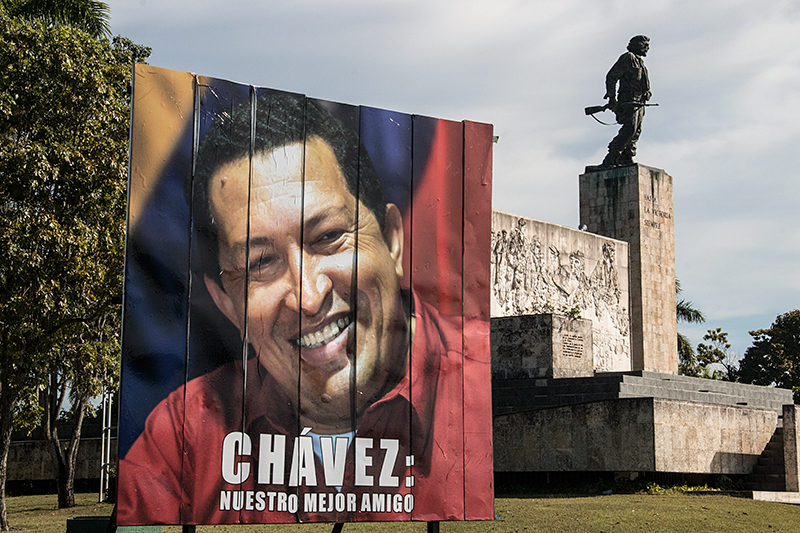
[625,161]
[610,161]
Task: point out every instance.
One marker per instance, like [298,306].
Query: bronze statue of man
[627,101]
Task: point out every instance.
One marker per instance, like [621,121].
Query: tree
[83,365]
[774,357]
[716,352]
[90,16]
[64,115]
[686,312]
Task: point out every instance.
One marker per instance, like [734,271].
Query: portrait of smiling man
[342,403]
[298,248]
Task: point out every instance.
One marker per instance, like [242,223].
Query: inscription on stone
[571,345]
[658,213]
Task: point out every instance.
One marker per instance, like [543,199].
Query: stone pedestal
[634,204]
[541,346]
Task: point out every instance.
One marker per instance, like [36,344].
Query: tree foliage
[686,312]
[774,357]
[64,115]
[715,359]
[90,16]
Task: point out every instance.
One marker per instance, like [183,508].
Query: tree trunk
[66,476]
[6,425]
[61,465]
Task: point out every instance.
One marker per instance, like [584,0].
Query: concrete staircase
[768,473]
[517,395]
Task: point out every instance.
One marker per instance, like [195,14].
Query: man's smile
[325,334]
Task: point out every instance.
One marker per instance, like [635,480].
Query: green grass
[671,512]
[41,513]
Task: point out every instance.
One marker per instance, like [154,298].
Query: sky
[725,73]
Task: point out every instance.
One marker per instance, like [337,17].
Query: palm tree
[91,16]
[686,313]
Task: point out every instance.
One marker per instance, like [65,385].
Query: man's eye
[264,265]
[330,236]
[263,261]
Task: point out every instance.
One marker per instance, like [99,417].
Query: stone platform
[519,395]
[634,422]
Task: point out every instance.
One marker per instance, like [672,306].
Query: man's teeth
[325,335]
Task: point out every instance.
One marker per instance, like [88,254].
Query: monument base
[639,422]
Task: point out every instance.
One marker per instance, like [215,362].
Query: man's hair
[636,40]
[281,119]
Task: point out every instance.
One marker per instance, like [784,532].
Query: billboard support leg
[433,527]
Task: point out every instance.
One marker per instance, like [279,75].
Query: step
[773,453]
[769,469]
[776,461]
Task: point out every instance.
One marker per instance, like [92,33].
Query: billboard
[306,310]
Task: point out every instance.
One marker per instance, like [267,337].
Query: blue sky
[726,74]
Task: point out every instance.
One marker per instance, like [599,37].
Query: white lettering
[352,501]
[260,503]
[340,502]
[271,457]
[397,503]
[292,502]
[408,503]
[238,500]
[236,443]
[392,447]
[282,502]
[310,503]
[362,462]
[378,503]
[225,500]
[333,462]
[303,469]
[365,507]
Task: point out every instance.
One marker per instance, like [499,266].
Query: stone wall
[32,460]
[542,268]
[636,434]
[607,436]
[715,439]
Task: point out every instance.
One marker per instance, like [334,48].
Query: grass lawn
[673,513]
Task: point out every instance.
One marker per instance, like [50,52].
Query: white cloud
[726,73]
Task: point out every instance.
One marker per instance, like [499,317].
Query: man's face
[642,47]
[303,296]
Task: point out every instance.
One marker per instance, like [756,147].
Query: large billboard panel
[306,316]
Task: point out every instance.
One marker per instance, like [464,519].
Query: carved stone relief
[545,268]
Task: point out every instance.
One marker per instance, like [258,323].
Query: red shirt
[173,474]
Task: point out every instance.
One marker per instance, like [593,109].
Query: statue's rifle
[591,110]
